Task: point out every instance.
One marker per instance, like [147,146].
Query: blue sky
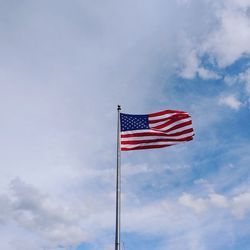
[64,67]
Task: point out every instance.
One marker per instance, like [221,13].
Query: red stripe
[142,134]
[189,138]
[156,134]
[173,117]
[179,126]
[172,120]
[146,147]
[181,132]
[164,112]
[160,120]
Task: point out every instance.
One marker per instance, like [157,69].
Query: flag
[157,130]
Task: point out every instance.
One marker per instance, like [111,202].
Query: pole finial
[118,107]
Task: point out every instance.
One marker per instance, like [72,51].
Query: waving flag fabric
[157,130]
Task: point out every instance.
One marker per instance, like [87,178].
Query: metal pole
[118,186]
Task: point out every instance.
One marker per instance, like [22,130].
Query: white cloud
[230,80]
[238,205]
[184,1]
[239,3]
[218,200]
[198,205]
[205,183]
[207,74]
[51,222]
[241,205]
[231,101]
[191,65]
[224,44]
[242,78]
[231,40]
[245,78]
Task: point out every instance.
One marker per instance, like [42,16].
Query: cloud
[231,101]
[192,67]
[245,78]
[207,74]
[238,205]
[198,205]
[240,81]
[229,41]
[241,205]
[226,43]
[218,200]
[52,223]
[189,217]
[244,4]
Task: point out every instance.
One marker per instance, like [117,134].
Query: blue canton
[133,122]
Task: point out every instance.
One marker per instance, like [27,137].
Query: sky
[64,68]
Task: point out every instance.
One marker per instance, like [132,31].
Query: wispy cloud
[231,101]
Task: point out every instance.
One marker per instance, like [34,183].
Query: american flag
[157,130]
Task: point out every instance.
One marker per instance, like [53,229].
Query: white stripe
[140,138]
[172,124]
[179,129]
[138,131]
[150,144]
[154,125]
[155,118]
[159,123]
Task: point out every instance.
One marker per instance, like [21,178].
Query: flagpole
[118,185]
